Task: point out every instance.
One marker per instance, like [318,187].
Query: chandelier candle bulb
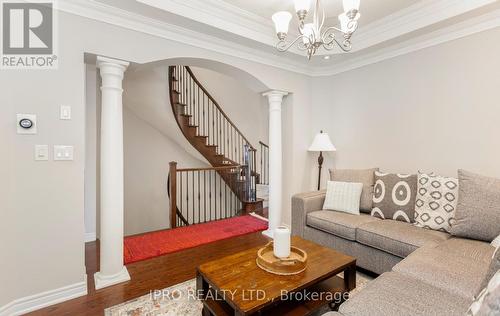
[281,22]
[282,242]
[302,7]
[344,22]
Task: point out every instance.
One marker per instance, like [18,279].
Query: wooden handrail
[218,107]
[209,168]
[263,144]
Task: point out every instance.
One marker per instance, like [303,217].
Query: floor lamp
[321,143]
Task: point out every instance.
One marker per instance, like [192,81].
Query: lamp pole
[320,163]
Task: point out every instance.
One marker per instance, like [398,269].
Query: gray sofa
[422,272]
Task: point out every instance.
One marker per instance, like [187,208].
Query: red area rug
[154,244]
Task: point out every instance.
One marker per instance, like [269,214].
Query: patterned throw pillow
[394,196]
[436,202]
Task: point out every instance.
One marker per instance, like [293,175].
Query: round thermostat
[26,123]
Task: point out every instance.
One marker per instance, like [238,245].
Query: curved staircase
[212,133]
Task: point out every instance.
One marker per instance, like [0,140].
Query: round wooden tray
[294,264]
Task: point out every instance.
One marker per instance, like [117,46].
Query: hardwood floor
[156,273]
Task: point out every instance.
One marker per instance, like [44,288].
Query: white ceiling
[371,10]
[387,28]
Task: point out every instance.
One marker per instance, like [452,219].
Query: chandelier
[314,35]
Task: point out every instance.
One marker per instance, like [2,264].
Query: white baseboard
[44,299]
[90,237]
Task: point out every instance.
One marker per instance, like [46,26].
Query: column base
[268,233]
[102,281]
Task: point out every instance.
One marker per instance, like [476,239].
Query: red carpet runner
[150,245]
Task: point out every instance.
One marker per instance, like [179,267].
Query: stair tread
[186,115]
[182,104]
[175,91]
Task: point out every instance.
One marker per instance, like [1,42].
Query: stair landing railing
[199,195]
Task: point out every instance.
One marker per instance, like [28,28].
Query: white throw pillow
[343,196]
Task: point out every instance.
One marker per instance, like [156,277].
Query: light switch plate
[62,153]
[26,131]
[65,112]
[41,152]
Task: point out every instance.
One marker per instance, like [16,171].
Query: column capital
[110,66]
[101,61]
[275,93]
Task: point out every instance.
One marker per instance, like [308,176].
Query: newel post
[173,194]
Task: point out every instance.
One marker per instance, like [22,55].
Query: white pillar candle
[282,242]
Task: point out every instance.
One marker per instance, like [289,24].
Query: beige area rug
[180,300]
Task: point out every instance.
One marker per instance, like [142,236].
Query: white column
[275,99]
[111,238]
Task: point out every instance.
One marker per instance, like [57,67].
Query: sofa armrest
[303,203]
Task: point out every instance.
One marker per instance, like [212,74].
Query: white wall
[436,109]
[45,205]
[91,157]
[147,153]
[43,245]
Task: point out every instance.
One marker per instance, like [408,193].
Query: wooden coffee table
[235,285]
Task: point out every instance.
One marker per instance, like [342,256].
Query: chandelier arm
[345,46]
[282,46]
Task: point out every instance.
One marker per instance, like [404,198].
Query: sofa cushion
[396,294]
[436,202]
[337,223]
[394,196]
[365,176]
[478,209]
[397,238]
[474,249]
[459,271]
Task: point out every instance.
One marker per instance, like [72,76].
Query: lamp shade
[281,21]
[322,142]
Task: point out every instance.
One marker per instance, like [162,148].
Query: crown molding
[415,17]
[222,15]
[108,14]
[468,27]
[228,17]
[115,16]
